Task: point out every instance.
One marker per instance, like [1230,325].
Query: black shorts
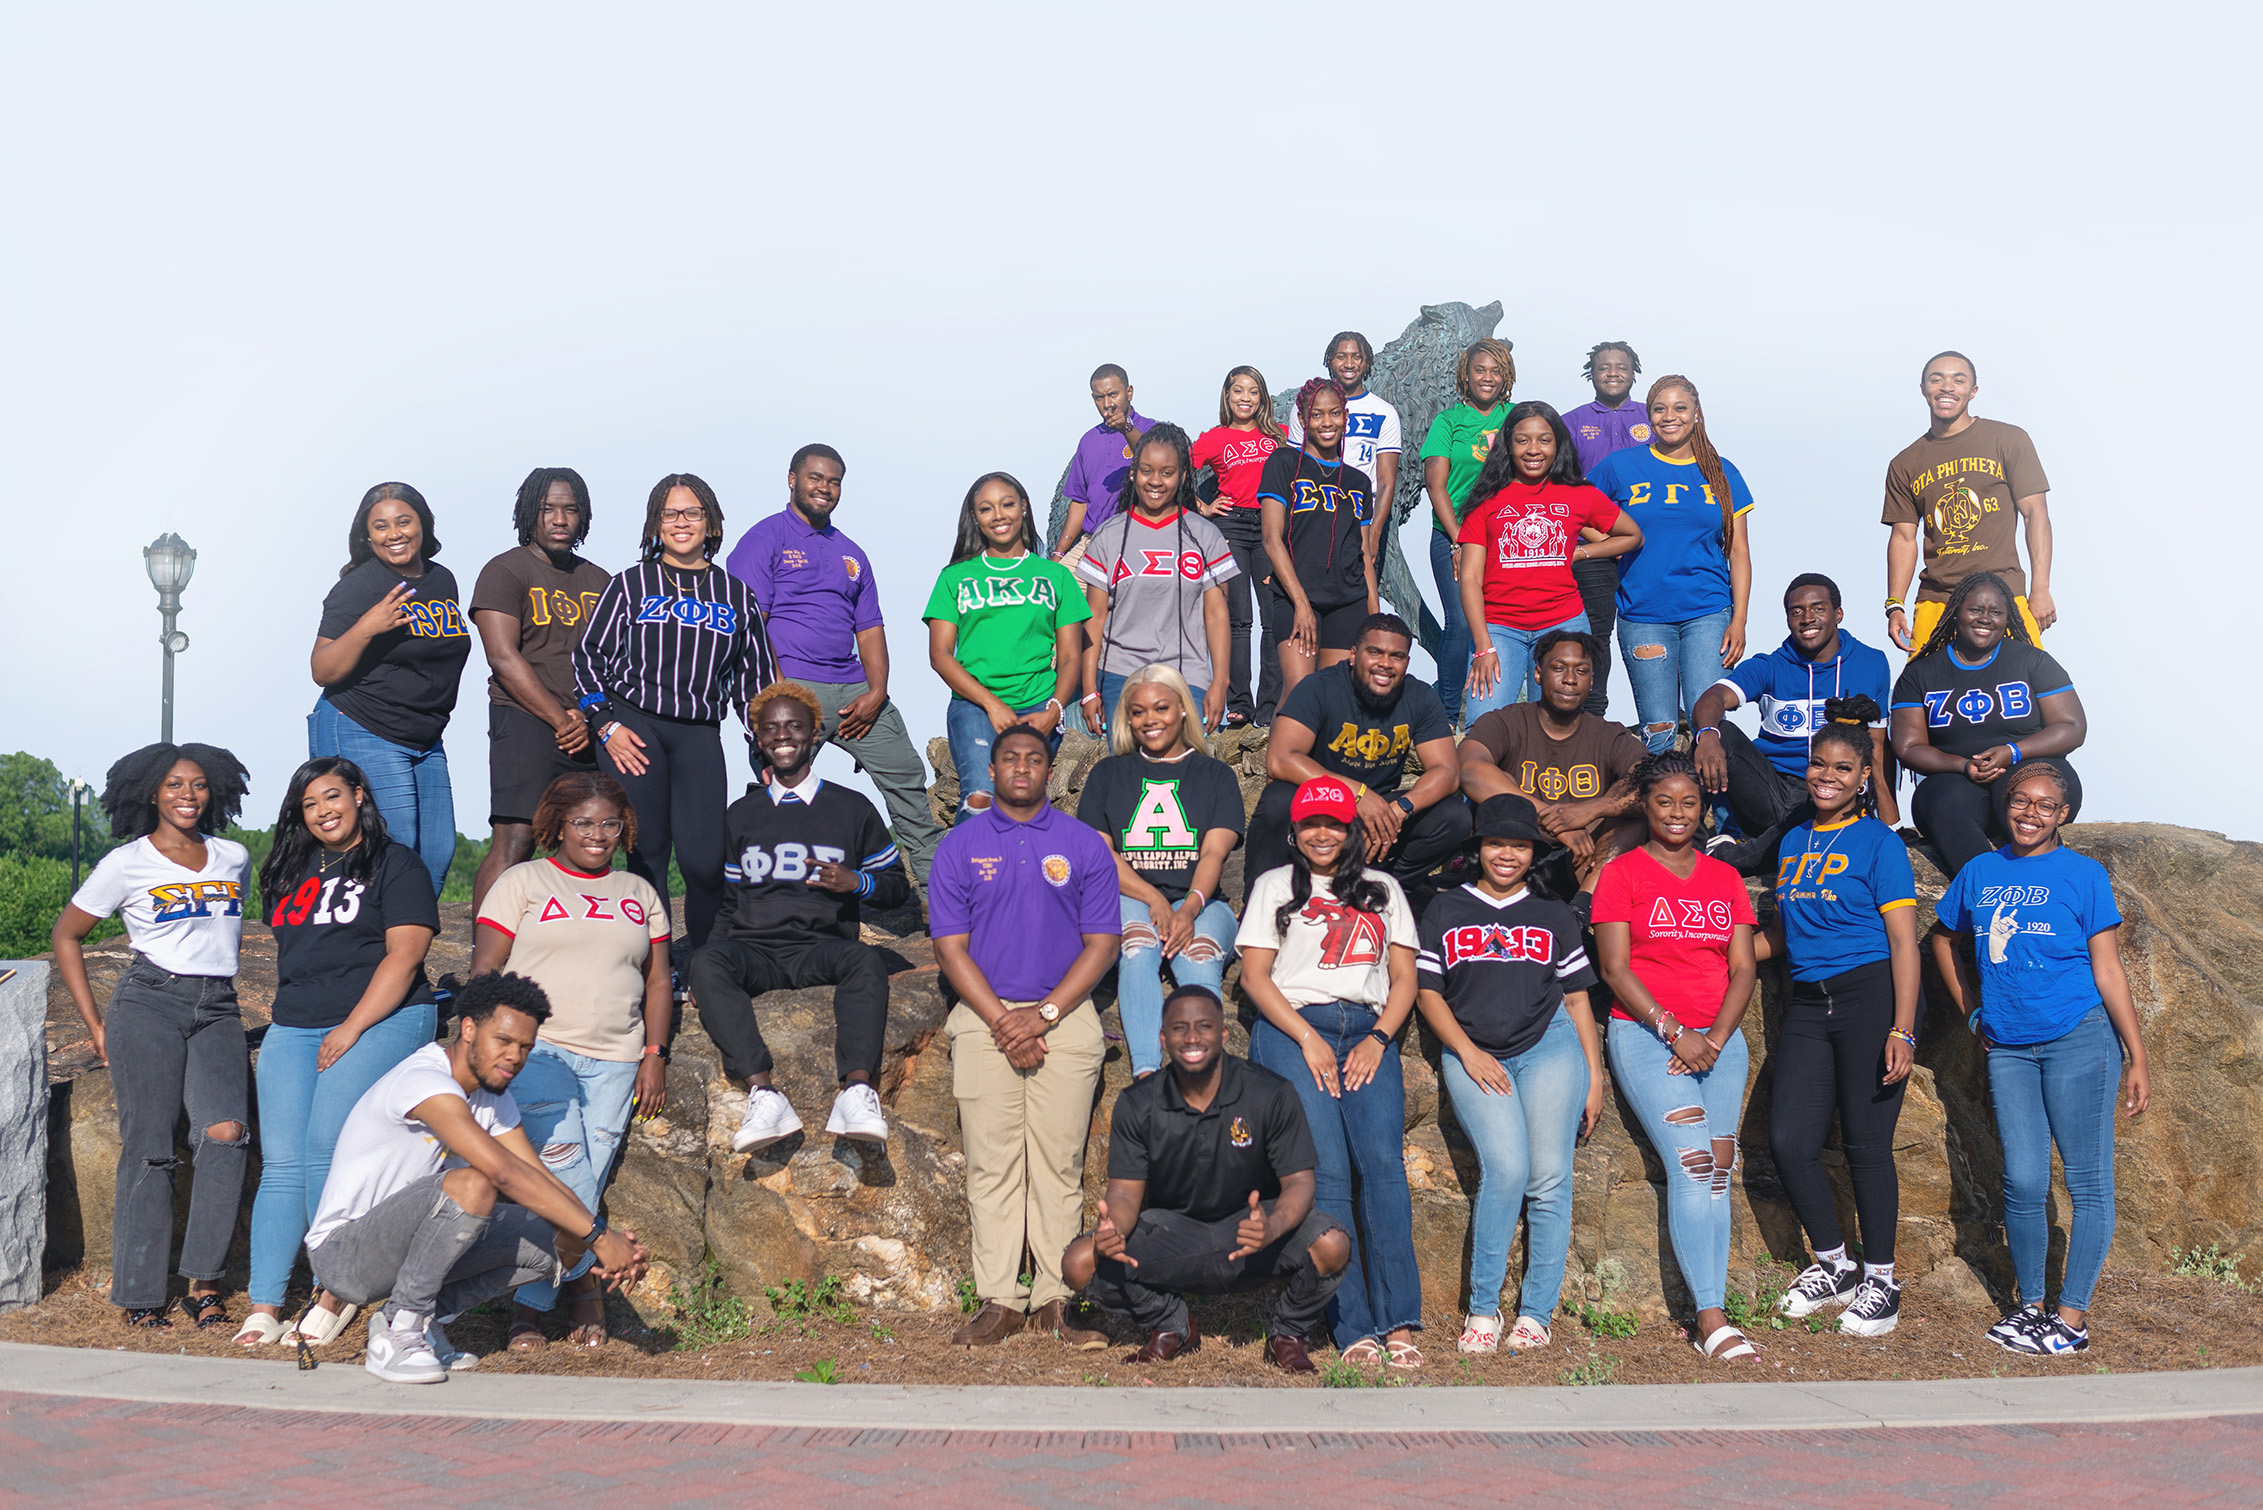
[523,758]
[1339,627]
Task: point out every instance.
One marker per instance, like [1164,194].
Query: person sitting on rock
[1976,699]
[1576,769]
[1210,1192]
[802,857]
[437,1200]
[1765,779]
[1360,720]
[2028,941]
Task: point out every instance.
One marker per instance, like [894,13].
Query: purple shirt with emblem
[1026,894]
[815,588]
[1597,431]
[1097,471]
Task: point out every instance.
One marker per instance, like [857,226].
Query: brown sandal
[526,1335]
[587,1332]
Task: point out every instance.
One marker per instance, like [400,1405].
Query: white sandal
[260,1330]
[1741,1349]
[1481,1334]
[1527,1334]
[316,1326]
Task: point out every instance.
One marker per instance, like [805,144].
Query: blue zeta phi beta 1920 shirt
[1834,887]
[1025,894]
[1681,572]
[2031,923]
[1791,690]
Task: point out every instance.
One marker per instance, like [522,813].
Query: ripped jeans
[1691,1120]
[574,1110]
[1139,973]
[1669,665]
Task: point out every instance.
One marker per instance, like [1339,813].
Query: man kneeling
[1209,1191]
[397,1220]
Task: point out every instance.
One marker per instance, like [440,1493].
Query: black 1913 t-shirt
[330,934]
[1155,812]
[1969,709]
[1502,965]
[405,686]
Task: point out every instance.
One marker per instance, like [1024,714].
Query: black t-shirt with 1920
[1156,812]
[1355,741]
[405,686]
[330,934]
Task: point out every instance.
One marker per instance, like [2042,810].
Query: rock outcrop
[23,1130]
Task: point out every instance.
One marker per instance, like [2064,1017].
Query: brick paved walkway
[121,1453]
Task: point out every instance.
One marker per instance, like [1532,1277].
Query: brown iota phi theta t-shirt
[1598,755]
[1963,491]
[552,608]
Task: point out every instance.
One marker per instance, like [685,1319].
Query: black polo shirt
[1204,1164]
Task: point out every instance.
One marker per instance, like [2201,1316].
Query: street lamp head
[171,563]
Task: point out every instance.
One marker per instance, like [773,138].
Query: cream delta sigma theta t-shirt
[1329,953]
[584,940]
[382,1150]
[189,922]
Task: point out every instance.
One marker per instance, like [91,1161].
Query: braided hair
[130,787]
[654,549]
[1701,445]
[1655,769]
[1313,388]
[526,514]
[2015,625]
[1588,372]
[1498,350]
[1353,887]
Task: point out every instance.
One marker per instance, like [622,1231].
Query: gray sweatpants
[887,755]
[431,1256]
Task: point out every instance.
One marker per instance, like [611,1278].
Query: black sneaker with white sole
[1820,1285]
[1875,1310]
[2016,1332]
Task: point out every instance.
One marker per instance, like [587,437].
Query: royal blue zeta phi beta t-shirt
[2031,923]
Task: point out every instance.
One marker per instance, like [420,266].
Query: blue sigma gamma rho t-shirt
[1790,691]
[1680,573]
[2031,923]
[1834,887]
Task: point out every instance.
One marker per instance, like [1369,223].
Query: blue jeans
[1524,1144]
[1453,649]
[574,1110]
[1139,973]
[301,1111]
[410,787]
[1518,679]
[1112,687]
[1669,665]
[1364,1131]
[1697,1189]
[968,729]
[2064,1092]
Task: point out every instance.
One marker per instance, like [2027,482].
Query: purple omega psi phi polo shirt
[1026,894]
[815,588]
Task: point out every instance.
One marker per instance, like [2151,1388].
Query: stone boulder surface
[23,1129]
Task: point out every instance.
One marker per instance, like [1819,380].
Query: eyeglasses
[609,827]
[682,516]
[2041,807]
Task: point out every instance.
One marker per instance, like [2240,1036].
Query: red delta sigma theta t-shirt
[1529,532]
[1680,929]
[1238,457]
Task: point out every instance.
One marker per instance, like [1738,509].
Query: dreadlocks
[535,491]
[2015,626]
[1701,445]
[1498,350]
[653,548]
[1588,372]
[1366,351]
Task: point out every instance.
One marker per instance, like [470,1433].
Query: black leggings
[680,800]
[728,974]
[1965,820]
[1599,594]
[1830,1059]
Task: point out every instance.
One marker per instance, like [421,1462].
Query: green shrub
[33,891]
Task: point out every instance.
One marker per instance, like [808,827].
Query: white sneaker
[769,1117]
[452,1358]
[857,1114]
[400,1354]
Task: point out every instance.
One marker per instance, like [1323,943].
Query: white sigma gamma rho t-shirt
[190,922]
[382,1149]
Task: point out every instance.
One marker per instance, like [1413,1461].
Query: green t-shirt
[1462,435]
[1008,613]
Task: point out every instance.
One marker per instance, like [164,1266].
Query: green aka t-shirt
[1008,613]
[1462,435]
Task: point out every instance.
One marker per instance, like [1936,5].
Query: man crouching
[1210,1191]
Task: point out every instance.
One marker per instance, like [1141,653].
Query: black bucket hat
[1509,816]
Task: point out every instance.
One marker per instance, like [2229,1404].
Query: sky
[254,259]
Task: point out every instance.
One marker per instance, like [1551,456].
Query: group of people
[1543,854]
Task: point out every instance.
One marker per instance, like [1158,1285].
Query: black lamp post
[171,563]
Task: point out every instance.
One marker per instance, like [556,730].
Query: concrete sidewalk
[346,1388]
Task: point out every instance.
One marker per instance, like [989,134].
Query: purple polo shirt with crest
[816,591]
[1597,431]
[1097,471]
[1025,894]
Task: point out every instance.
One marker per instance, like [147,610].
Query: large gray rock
[23,1129]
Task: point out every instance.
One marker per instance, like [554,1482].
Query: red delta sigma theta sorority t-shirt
[1529,531]
[1680,929]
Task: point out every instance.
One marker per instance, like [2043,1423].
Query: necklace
[1837,833]
[322,866]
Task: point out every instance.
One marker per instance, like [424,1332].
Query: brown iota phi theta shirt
[1596,758]
[552,608]
[1962,491]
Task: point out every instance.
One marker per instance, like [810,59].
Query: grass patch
[2211,1262]
[1596,1368]
[707,1313]
[795,1301]
[1601,1321]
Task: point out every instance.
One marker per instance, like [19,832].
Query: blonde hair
[1120,741]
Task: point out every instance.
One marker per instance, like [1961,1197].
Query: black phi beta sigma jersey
[1503,966]
[775,842]
[675,643]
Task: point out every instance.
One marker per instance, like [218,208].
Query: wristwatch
[595,1232]
[1406,805]
[1380,1036]
[1048,1011]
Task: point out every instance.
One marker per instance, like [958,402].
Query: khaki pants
[1024,1133]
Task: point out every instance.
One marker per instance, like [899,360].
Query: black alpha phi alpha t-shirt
[1328,507]
[1355,741]
[405,687]
[1156,812]
[1973,708]
[330,934]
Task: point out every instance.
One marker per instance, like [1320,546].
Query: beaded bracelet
[1908,1038]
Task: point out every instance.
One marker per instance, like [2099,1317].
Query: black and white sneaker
[2055,1339]
[2016,1332]
[1820,1285]
[1875,1310]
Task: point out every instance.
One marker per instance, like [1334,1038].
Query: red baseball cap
[1324,797]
